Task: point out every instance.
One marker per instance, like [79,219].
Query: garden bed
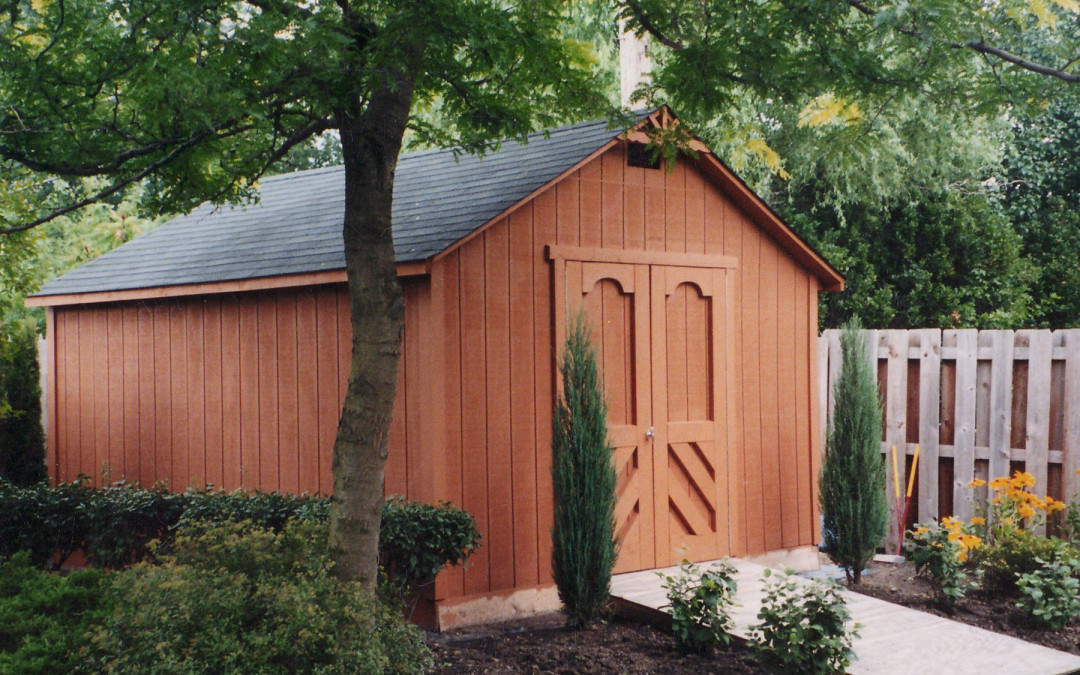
[898,583]
[542,645]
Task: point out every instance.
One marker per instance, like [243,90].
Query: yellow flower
[1026,511]
[1054,505]
[921,530]
[1024,478]
[978,482]
[999,483]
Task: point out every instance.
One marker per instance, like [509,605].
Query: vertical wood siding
[233,391]
[500,367]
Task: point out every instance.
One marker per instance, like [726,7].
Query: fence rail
[979,404]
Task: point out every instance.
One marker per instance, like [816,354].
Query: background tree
[854,508]
[202,98]
[583,482]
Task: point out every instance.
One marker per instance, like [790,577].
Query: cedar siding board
[244,389]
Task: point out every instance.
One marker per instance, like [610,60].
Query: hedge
[112,526]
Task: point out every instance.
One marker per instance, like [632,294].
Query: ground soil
[542,645]
[900,584]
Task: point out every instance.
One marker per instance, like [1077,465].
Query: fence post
[1071,441]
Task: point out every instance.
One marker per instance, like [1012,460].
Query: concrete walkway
[893,639]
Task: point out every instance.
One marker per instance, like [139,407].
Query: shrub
[44,617]
[22,440]
[852,484]
[583,540]
[1017,553]
[700,604]
[804,628]
[240,598]
[416,541]
[940,553]
[1051,594]
[114,525]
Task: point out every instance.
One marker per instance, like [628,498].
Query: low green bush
[1015,554]
[1051,594]
[700,603]
[44,617]
[114,525]
[803,628]
[239,598]
[417,540]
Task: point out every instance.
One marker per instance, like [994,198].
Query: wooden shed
[214,349]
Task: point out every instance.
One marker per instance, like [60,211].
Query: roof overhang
[420,268]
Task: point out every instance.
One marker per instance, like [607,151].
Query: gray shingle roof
[296,226]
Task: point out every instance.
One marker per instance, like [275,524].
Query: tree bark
[371,137]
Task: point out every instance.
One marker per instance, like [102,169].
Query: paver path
[893,639]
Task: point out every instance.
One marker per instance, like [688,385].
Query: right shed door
[662,340]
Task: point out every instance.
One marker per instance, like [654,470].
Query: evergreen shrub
[854,508]
[583,535]
[22,440]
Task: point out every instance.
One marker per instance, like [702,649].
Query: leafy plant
[418,540]
[239,598]
[44,617]
[700,602]
[1013,506]
[940,554]
[853,505]
[804,627]
[583,539]
[1017,553]
[1051,594]
[22,440]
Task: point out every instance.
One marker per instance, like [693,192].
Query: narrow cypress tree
[853,501]
[583,535]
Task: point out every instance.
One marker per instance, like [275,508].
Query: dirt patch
[542,645]
[900,584]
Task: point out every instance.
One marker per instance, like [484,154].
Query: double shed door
[661,334]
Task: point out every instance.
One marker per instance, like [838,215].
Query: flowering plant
[1013,506]
[940,552]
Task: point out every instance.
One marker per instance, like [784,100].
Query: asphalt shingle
[295,227]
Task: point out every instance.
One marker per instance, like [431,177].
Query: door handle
[650,434]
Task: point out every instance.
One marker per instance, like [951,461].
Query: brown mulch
[900,584]
[542,645]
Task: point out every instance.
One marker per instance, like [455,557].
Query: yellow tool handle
[914,466]
[895,475]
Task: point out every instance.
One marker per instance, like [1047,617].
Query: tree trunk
[371,138]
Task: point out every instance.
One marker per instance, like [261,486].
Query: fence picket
[929,421]
[1071,411]
[1037,457]
[896,421]
[967,357]
[1001,370]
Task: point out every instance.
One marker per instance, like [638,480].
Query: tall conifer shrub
[853,501]
[583,535]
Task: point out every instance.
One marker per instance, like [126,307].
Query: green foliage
[114,526]
[239,598]
[700,603]
[853,506]
[1051,594]
[22,440]
[941,558]
[1014,554]
[418,540]
[803,628]
[44,617]
[583,538]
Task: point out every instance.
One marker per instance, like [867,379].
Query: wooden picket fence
[979,404]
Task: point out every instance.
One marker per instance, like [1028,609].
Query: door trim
[615,255]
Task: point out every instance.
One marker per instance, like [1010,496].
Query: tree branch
[982,48]
[651,28]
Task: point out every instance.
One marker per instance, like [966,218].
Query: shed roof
[440,197]
[295,227]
